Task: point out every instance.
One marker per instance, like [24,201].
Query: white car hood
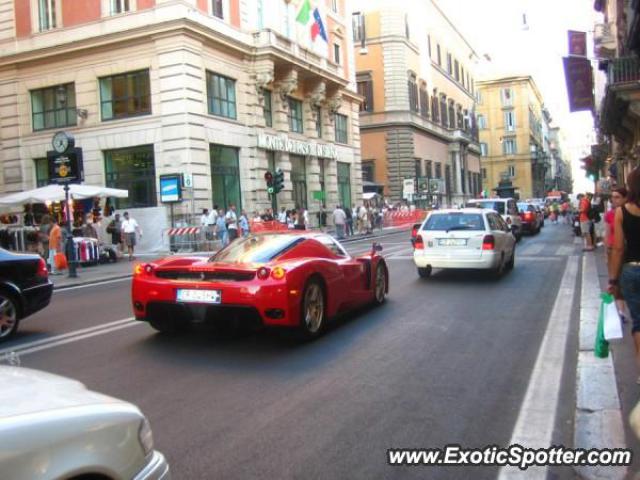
[25,391]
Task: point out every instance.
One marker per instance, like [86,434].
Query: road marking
[565,250]
[537,417]
[36,345]
[97,284]
[533,249]
[529,258]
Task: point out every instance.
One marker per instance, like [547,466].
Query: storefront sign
[577,43]
[283,143]
[170,188]
[579,77]
[65,167]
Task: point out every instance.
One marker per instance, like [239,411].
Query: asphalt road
[445,360]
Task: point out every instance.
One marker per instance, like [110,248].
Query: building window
[439,55]
[434,107]
[414,106]
[483,149]
[299,180]
[511,170]
[295,115]
[429,45]
[125,95]
[336,53]
[452,115]
[321,163]
[456,70]
[119,6]
[428,169]
[358,26]
[462,80]
[510,121]
[47,14]
[344,183]
[484,173]
[368,171]
[418,167]
[438,172]
[49,110]
[443,111]
[132,169]
[449,64]
[365,88]
[334,6]
[424,103]
[459,118]
[407,33]
[318,114]
[267,109]
[482,121]
[221,95]
[479,97]
[42,172]
[216,8]
[507,97]
[225,176]
[341,128]
[509,146]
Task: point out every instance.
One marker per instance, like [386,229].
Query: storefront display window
[225,177]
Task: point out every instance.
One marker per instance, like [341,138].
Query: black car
[24,289]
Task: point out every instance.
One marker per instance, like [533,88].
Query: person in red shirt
[585,222]
[618,199]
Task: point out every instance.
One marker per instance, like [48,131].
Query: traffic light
[268,177]
[278,182]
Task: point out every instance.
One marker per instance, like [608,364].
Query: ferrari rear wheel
[313,309]
[381,283]
[8,316]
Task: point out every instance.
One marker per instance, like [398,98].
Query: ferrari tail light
[488,242]
[143,269]
[42,271]
[419,243]
[278,273]
[263,273]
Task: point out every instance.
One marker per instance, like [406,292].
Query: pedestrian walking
[43,235]
[585,222]
[339,220]
[282,216]
[221,228]
[618,199]
[115,230]
[624,267]
[129,228]
[244,223]
[231,219]
[322,219]
[349,225]
[56,246]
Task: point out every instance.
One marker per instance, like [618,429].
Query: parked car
[531,218]
[469,238]
[57,428]
[296,280]
[24,289]
[507,209]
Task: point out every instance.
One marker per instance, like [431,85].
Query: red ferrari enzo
[297,280]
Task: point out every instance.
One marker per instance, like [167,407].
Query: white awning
[55,193]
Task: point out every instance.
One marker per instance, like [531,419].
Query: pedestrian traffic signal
[268,177]
[278,182]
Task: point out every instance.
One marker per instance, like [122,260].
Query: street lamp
[62,96]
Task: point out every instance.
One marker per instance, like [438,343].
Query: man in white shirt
[282,216]
[129,228]
[231,219]
[212,219]
[339,220]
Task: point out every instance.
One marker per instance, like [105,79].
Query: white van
[506,207]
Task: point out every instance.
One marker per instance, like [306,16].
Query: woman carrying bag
[624,267]
[57,258]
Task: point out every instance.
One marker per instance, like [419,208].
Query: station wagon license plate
[452,242]
[199,296]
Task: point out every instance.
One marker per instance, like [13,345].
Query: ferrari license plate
[199,296]
[452,242]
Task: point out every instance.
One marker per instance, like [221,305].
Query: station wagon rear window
[455,221]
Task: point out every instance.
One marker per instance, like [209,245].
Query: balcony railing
[623,70]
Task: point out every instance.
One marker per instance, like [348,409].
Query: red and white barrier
[183,231]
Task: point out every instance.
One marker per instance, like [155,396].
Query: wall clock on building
[63,142]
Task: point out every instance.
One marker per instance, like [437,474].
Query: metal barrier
[397,218]
[190,239]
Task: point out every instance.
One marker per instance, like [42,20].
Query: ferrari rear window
[454,221]
[256,248]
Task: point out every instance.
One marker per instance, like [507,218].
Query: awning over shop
[55,193]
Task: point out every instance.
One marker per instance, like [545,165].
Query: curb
[598,413]
[81,283]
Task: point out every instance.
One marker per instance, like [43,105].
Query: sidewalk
[606,389]
[124,269]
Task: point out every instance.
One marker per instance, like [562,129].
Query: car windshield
[256,248]
[455,221]
[525,207]
[490,205]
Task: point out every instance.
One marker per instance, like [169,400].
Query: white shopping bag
[612,325]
